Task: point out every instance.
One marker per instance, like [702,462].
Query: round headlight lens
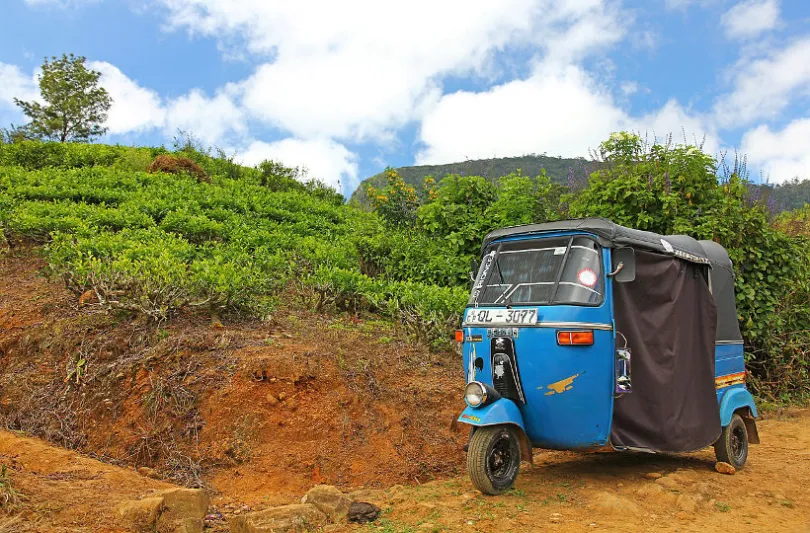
[475,394]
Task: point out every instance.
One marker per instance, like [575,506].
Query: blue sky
[347,88]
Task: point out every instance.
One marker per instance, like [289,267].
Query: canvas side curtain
[669,318]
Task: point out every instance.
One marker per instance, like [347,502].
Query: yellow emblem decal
[558,387]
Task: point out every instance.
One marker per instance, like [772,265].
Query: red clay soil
[563,492]
[257,412]
[62,491]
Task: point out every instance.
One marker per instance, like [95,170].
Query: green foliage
[397,202]
[75,104]
[772,287]
[556,168]
[134,159]
[789,195]
[156,243]
[427,311]
[675,190]
[659,188]
[35,155]
[795,223]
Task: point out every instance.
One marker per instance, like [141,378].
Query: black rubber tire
[493,459]
[732,446]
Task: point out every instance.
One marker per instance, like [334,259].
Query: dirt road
[562,492]
[616,492]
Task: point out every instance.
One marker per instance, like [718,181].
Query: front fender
[498,413]
[502,411]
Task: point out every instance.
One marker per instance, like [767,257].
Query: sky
[347,88]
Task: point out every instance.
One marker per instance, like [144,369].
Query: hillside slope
[262,408]
[557,169]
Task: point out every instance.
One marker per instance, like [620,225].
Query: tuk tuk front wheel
[732,447]
[493,459]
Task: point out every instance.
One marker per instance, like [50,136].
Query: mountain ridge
[558,170]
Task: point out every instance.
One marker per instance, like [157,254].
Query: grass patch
[722,507]
[10,498]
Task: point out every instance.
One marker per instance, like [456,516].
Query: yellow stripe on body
[730,379]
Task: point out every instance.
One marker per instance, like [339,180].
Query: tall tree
[75,105]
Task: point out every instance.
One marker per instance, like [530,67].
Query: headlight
[475,394]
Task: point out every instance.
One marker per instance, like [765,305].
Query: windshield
[560,270]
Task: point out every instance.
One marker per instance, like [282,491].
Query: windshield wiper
[562,269]
[488,274]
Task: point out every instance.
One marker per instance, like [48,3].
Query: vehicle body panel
[568,389]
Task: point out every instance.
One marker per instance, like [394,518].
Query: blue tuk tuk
[581,334]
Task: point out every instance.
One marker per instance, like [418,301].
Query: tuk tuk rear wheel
[493,459]
[732,446]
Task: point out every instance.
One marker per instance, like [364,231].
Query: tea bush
[35,155]
[157,243]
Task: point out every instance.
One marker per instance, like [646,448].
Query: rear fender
[498,413]
[741,402]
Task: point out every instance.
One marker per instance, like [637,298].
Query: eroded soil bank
[262,410]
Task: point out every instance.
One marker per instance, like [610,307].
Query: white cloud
[561,112]
[323,159]
[782,155]
[15,84]
[209,119]
[764,87]
[750,18]
[137,109]
[134,108]
[361,69]
[686,127]
[557,111]
[629,87]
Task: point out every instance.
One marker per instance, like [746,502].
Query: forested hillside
[558,169]
[792,194]
[155,239]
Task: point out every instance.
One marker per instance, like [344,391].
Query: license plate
[489,317]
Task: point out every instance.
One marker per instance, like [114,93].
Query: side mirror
[474,266]
[623,261]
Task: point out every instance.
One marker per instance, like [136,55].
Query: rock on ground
[184,511]
[284,519]
[167,511]
[141,515]
[725,468]
[329,500]
[362,512]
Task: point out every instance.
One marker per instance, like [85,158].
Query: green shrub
[35,155]
[428,312]
[676,190]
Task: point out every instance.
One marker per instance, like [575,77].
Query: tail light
[459,335]
[575,338]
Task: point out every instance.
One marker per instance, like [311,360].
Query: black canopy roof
[682,246]
[612,235]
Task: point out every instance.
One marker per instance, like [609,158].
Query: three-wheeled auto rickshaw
[583,334]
